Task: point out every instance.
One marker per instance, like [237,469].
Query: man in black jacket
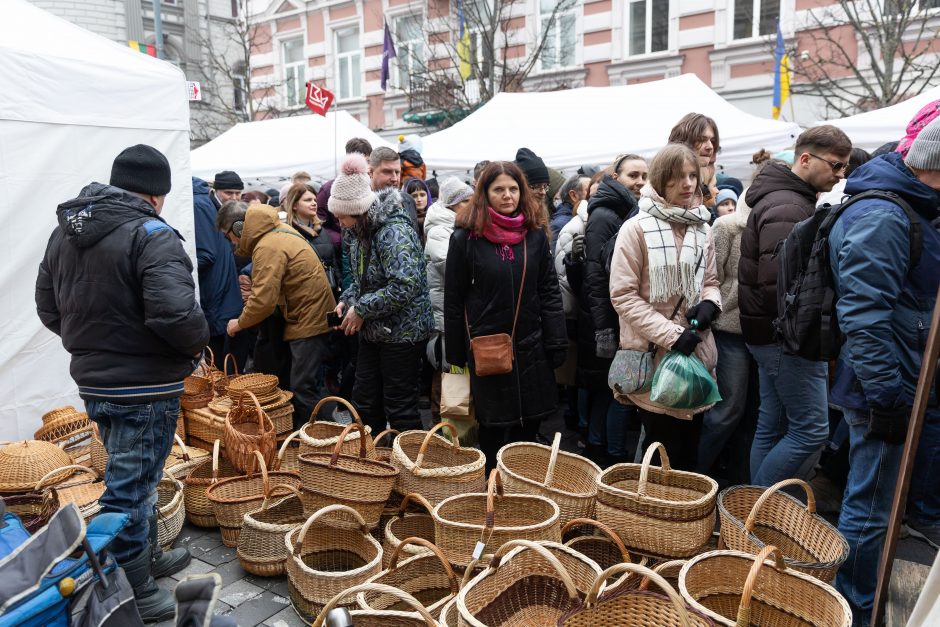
[117,286]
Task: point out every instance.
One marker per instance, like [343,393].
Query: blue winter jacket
[561,217]
[218,282]
[884,306]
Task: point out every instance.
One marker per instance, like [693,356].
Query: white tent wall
[72,101]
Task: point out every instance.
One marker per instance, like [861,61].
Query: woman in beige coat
[664,262]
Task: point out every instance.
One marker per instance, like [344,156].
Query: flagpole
[335,145]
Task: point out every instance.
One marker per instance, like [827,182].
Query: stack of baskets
[69,429]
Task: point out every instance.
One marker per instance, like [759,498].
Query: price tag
[478,550]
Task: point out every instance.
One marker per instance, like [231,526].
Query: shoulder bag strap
[525,263]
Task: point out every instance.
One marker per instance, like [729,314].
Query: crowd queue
[370,286]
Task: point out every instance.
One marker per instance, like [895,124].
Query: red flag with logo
[318,99]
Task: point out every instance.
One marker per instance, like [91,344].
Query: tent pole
[158,29]
[335,145]
[928,370]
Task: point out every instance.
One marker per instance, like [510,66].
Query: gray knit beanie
[454,191]
[925,151]
[351,194]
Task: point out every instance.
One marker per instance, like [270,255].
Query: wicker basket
[257,383]
[288,453]
[34,509]
[220,382]
[738,589]
[182,459]
[603,546]
[435,468]
[461,521]
[412,614]
[233,498]
[384,453]
[526,584]
[59,424]
[329,558]
[670,571]
[629,607]
[198,507]
[22,464]
[321,436]
[78,445]
[450,615]
[197,385]
[404,525]
[752,518]
[204,426]
[83,491]
[364,484]
[261,548]
[427,577]
[170,510]
[99,454]
[58,412]
[657,511]
[248,429]
[568,479]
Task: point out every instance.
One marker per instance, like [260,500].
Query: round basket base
[206,521]
[262,569]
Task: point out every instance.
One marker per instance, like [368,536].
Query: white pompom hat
[351,194]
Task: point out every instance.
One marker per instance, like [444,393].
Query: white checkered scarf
[667,277]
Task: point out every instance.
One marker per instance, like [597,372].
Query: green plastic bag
[682,382]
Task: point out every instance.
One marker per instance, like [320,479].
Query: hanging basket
[84,489]
[198,507]
[659,512]
[182,459]
[412,614]
[248,429]
[170,510]
[435,468]
[22,464]
[404,525]
[568,479]
[34,509]
[321,436]
[753,517]
[261,548]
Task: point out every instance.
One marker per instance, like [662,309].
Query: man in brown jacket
[285,273]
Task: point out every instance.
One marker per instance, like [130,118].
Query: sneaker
[928,533]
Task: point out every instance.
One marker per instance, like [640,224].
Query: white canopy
[592,125]
[279,147]
[874,128]
[71,101]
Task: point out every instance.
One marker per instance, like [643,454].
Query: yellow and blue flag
[781,74]
[463,45]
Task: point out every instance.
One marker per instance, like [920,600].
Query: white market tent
[872,129]
[71,101]
[592,125]
[277,148]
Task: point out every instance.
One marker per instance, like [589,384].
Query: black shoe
[153,603]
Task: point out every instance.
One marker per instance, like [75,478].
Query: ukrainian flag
[781,74]
[463,46]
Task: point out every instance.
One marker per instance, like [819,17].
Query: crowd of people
[373,284]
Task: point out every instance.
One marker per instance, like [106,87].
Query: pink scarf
[505,231]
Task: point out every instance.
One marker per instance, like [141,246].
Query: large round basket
[233,498]
[436,468]
[427,577]
[170,510]
[34,508]
[22,464]
[84,489]
[526,584]
[412,614]
[461,521]
[568,479]
[248,429]
[736,588]
[408,525]
[630,607]
[198,507]
[182,458]
[328,558]
[261,548]
[603,546]
[321,436]
[753,517]
[657,511]
[363,484]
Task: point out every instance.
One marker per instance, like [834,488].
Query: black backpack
[806,296]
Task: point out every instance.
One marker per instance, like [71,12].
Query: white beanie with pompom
[351,194]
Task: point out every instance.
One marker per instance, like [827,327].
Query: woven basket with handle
[411,614]
[247,430]
[408,525]
[261,548]
[220,383]
[182,458]
[288,452]
[84,488]
[198,507]
[171,511]
[603,545]
[321,436]
[34,508]
[436,468]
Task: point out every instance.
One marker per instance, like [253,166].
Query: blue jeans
[606,420]
[793,421]
[138,439]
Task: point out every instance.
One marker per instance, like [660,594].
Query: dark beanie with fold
[532,166]
[227,180]
[142,169]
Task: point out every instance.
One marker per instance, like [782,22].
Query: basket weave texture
[404,525]
[248,429]
[34,509]
[84,488]
[22,464]
[320,436]
[261,548]
[415,616]
[207,472]
[170,510]
[435,468]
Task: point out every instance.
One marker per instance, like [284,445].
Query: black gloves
[577,248]
[705,313]
[687,342]
[557,358]
[888,425]
[607,343]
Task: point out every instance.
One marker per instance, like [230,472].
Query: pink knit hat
[924,117]
[351,194]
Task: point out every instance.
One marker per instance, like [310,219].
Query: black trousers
[493,438]
[680,437]
[386,386]
[307,356]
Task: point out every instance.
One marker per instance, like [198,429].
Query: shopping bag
[683,382]
[455,393]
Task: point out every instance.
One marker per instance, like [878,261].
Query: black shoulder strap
[916,235]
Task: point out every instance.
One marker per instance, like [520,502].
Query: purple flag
[388,51]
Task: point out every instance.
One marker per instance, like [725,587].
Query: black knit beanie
[142,169]
[532,166]
[227,180]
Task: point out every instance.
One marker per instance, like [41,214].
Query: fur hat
[351,194]
[454,191]
[532,166]
[924,153]
[142,169]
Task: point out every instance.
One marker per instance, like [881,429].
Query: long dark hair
[476,217]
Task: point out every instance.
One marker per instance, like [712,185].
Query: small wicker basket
[261,548]
[257,383]
[415,616]
[170,510]
[321,436]
[182,459]
[247,430]
[83,491]
[207,472]
[436,468]
[34,508]
[603,546]
[404,525]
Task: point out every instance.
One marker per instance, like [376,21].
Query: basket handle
[264,470]
[544,554]
[455,443]
[281,452]
[321,512]
[335,399]
[287,489]
[550,471]
[607,531]
[258,411]
[225,365]
[645,468]
[417,498]
[52,473]
[211,363]
[451,577]
[179,440]
[755,510]
[744,609]
[493,487]
[377,587]
[215,460]
[342,440]
[468,573]
[658,569]
[616,569]
[379,437]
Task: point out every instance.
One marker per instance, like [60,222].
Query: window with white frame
[348,63]
[557,21]
[292,58]
[647,26]
[753,18]
[409,48]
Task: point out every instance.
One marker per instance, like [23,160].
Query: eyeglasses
[543,187]
[837,166]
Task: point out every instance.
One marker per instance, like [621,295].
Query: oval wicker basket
[83,491]
[182,458]
[170,510]
[288,453]
[568,479]
[198,507]
[257,383]
[22,464]
[321,436]
[404,525]
[413,613]
[248,430]
[261,548]
[603,546]
[435,468]
[34,508]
